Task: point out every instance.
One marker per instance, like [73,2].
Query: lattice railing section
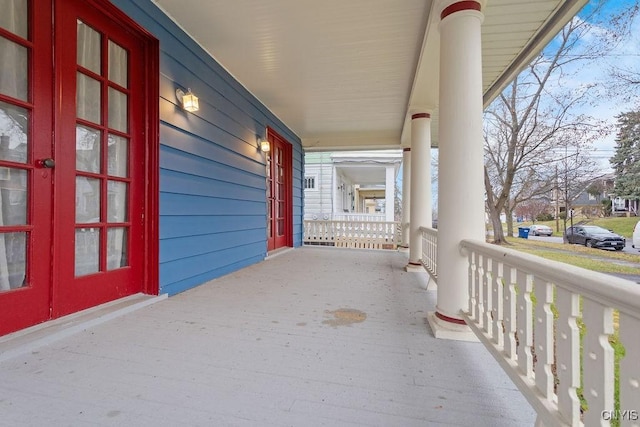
[358,217]
[430,250]
[552,326]
[353,234]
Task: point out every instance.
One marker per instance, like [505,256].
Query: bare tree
[532,209]
[623,78]
[535,123]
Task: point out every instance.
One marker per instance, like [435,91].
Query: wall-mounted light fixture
[188,100]
[264,145]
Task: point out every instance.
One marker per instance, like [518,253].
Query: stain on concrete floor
[345,317]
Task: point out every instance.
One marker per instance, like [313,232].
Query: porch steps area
[314,336]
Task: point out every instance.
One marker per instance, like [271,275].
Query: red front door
[72,229]
[279,171]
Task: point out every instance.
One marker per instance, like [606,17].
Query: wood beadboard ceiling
[346,74]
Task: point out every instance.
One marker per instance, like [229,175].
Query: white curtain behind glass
[88,101]
[13,79]
[13,18]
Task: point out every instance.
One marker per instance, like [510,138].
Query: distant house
[589,199]
[350,185]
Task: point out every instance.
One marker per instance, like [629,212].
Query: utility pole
[557,191]
[566,186]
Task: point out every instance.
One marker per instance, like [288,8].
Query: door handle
[46,163]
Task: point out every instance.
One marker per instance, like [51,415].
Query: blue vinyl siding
[212,175]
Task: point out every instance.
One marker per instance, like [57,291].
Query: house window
[309,182]
[592,196]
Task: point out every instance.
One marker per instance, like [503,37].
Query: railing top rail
[311,221]
[615,292]
[429,230]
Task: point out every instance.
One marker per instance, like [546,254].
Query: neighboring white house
[357,185]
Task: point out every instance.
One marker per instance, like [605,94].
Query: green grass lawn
[580,256]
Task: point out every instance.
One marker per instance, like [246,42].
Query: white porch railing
[538,316]
[352,234]
[430,251]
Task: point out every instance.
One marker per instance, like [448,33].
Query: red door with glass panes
[279,192]
[73,159]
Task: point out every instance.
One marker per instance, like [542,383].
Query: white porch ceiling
[348,74]
[363,175]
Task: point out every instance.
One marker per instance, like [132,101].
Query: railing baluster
[510,313]
[524,323]
[497,289]
[471,271]
[597,360]
[479,279]
[487,278]
[568,354]
[629,333]
[543,337]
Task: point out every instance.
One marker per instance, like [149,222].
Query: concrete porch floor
[312,336]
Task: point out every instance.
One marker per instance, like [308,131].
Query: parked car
[540,230]
[635,243]
[594,237]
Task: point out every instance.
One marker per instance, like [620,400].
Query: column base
[450,331]
[403,249]
[414,268]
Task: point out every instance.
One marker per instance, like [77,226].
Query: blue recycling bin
[523,232]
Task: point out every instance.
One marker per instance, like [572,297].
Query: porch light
[188,100]
[264,145]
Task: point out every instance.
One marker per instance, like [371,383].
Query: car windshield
[592,229]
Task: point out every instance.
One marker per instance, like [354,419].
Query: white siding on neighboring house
[317,200]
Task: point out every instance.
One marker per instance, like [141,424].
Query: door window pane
[269,220]
[87,149]
[117,254]
[14,123]
[117,201]
[87,200]
[13,255]
[13,69]
[118,111]
[14,17]
[13,196]
[88,98]
[88,47]
[87,255]
[118,64]
[118,156]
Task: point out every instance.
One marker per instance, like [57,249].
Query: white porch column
[406,195]
[420,210]
[390,194]
[461,177]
